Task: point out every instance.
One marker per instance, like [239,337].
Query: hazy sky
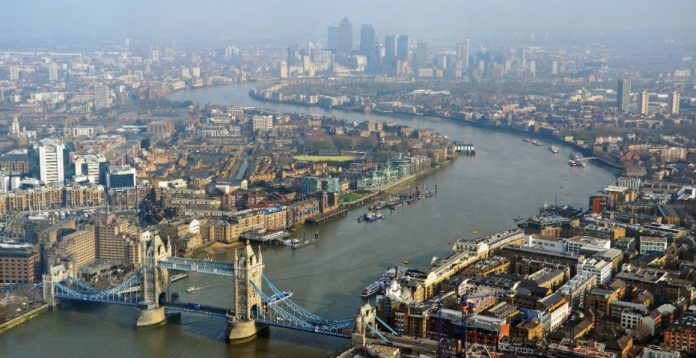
[249,19]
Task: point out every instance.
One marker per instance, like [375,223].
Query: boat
[554,149]
[371,289]
[370,217]
[526,140]
[298,244]
[193,289]
[519,218]
[536,142]
[576,163]
[279,297]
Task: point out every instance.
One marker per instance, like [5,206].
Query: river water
[506,178]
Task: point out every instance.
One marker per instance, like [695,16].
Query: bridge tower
[154,281]
[248,268]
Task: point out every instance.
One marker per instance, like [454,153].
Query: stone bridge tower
[248,303]
[154,281]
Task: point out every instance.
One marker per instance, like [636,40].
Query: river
[506,178]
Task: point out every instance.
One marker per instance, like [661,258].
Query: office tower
[126,42]
[332,38]
[441,61]
[389,47]
[524,58]
[402,47]
[367,40]
[673,103]
[367,45]
[68,166]
[51,161]
[185,73]
[554,68]
[53,72]
[623,95]
[231,51]
[644,101]
[345,37]
[196,72]
[463,53]
[101,97]
[294,56]
[379,54]
[421,55]
[283,70]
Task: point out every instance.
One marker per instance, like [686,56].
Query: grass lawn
[323,158]
[353,196]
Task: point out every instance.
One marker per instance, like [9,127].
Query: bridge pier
[151,316]
[243,331]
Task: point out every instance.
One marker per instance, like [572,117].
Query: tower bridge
[258,303]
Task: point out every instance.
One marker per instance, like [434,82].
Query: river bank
[513,130]
[24,317]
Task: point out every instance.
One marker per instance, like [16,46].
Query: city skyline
[183,19]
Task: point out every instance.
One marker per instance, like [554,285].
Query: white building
[628,182]
[90,166]
[546,245]
[51,161]
[83,131]
[600,269]
[262,123]
[554,317]
[577,244]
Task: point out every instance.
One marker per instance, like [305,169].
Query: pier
[326,217]
[265,237]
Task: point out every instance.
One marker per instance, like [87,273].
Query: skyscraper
[673,103]
[463,53]
[345,37]
[402,47]
[389,47]
[367,45]
[51,161]
[623,95]
[332,38]
[421,55]
[644,102]
[294,56]
[367,40]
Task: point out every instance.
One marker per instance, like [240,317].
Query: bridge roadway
[194,265]
[188,307]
